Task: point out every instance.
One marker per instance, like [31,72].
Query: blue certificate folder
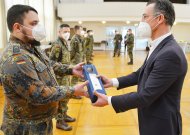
[95,84]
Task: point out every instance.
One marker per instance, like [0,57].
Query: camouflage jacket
[30,88]
[117,38]
[130,40]
[89,41]
[60,51]
[77,49]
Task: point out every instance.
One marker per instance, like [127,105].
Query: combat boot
[61,124]
[69,118]
[130,63]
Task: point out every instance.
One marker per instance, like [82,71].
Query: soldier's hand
[80,91]
[106,81]
[77,70]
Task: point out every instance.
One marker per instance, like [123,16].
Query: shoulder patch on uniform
[16,49]
[19,59]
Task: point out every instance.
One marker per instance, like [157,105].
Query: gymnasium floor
[104,121]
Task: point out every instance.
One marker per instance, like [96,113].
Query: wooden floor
[104,121]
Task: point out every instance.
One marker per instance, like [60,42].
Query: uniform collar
[63,41]
[23,45]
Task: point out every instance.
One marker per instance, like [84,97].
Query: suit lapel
[155,52]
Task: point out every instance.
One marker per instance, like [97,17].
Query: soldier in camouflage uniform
[117,43]
[60,53]
[125,41]
[130,45]
[77,49]
[89,46]
[30,88]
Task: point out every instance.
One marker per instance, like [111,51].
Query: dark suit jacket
[160,82]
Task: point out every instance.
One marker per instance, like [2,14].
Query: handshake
[95,84]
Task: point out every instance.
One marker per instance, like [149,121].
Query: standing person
[117,43]
[60,53]
[30,88]
[130,45]
[89,41]
[125,40]
[77,51]
[160,79]
[92,44]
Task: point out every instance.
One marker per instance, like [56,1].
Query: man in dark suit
[159,79]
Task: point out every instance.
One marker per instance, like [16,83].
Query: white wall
[113,11]
[98,28]
[181,31]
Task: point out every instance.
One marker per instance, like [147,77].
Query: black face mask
[34,43]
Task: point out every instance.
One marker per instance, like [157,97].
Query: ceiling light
[104,22]
[128,22]
[80,22]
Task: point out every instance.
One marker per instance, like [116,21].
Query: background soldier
[60,53]
[125,42]
[77,50]
[130,45]
[30,88]
[117,43]
[89,42]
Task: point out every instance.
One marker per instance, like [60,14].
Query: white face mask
[66,36]
[144,30]
[91,33]
[38,32]
[82,33]
[85,35]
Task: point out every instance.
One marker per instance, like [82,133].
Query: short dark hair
[166,8]
[129,29]
[77,27]
[88,31]
[64,25]
[16,14]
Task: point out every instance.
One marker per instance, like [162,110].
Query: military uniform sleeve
[87,41]
[130,39]
[121,37]
[55,52]
[61,69]
[73,49]
[20,75]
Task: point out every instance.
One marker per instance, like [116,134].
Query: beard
[30,39]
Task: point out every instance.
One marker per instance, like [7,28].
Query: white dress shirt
[153,44]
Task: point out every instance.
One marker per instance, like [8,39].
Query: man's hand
[101,101]
[79,90]
[106,81]
[77,70]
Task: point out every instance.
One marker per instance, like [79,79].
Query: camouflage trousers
[88,55]
[63,104]
[74,80]
[130,52]
[117,49]
[14,128]
[84,57]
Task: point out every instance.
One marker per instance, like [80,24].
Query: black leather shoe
[61,124]
[69,119]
